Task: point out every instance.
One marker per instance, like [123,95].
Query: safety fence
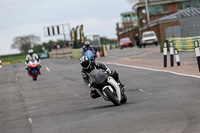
[183,44]
[99,52]
[20,60]
[66,52]
[61,53]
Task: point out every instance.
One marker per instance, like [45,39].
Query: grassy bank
[16,57]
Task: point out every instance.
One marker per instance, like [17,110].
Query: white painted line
[141,90]
[156,70]
[48,69]
[30,121]
[33,107]
[144,91]
[0,66]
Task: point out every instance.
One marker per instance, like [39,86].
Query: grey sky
[24,17]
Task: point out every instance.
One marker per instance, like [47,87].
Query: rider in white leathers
[32,56]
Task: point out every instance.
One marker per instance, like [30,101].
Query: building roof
[188,12]
[130,12]
[141,3]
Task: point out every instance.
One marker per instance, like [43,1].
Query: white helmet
[30,51]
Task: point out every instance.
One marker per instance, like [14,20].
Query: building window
[127,18]
[134,17]
[164,8]
[135,20]
[191,3]
[195,3]
[186,4]
[180,6]
[154,10]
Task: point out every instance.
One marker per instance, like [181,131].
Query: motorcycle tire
[34,75]
[111,97]
[124,99]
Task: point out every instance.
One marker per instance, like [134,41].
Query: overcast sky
[25,17]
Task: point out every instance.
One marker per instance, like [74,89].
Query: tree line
[24,43]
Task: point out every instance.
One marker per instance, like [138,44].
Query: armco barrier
[184,44]
[16,61]
[76,53]
[5,63]
[62,52]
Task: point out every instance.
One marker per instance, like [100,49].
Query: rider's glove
[26,67]
[108,71]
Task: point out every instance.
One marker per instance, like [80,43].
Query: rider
[0,62]
[86,47]
[88,66]
[31,55]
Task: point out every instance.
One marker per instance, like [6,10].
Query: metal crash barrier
[184,44]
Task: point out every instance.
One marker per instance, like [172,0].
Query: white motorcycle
[107,87]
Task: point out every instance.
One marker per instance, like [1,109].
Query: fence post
[172,53]
[165,54]
[177,57]
[196,45]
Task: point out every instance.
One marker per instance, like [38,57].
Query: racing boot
[94,94]
[39,69]
[121,86]
[27,69]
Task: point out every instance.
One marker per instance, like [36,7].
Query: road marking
[30,121]
[0,66]
[33,107]
[156,70]
[48,69]
[141,90]
[144,91]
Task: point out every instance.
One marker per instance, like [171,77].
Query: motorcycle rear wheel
[111,97]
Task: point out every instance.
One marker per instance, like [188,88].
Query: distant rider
[86,47]
[88,66]
[32,56]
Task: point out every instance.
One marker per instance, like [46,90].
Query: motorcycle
[0,64]
[90,54]
[107,87]
[33,69]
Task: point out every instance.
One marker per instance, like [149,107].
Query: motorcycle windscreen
[98,77]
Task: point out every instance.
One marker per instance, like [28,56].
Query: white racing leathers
[33,57]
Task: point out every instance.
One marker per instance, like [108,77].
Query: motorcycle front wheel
[111,97]
[124,99]
[34,75]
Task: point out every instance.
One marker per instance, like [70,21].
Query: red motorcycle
[33,69]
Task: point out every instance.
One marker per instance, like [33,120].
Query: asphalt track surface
[158,102]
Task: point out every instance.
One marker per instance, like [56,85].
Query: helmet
[85,62]
[87,43]
[30,51]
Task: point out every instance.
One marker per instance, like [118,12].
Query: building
[128,26]
[162,16]
[161,8]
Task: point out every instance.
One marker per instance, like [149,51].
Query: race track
[58,102]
